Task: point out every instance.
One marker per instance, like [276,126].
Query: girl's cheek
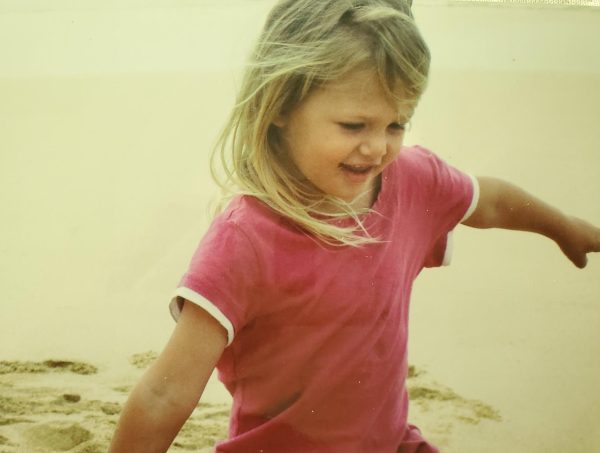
[393,151]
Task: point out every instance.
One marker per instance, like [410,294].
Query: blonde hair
[304,45]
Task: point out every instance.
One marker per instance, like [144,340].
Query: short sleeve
[452,197]
[222,276]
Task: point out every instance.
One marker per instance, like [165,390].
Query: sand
[50,406]
[73,406]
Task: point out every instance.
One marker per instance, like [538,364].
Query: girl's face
[343,135]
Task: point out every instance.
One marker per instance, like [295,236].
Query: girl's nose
[374,148]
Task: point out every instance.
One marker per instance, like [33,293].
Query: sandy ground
[59,405]
[71,406]
[105,128]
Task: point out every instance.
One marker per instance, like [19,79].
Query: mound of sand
[7,367]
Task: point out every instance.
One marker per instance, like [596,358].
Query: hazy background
[108,111]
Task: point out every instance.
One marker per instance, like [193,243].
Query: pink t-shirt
[316,360]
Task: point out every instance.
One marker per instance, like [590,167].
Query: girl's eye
[352,126]
[359,126]
[398,126]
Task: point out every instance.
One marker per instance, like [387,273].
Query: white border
[186,293]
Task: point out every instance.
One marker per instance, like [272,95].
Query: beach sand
[105,132]
[61,405]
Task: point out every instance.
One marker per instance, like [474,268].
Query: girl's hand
[578,239]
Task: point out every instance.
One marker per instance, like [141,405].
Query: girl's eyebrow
[400,115]
[367,119]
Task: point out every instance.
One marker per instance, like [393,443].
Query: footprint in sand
[56,436]
[143,359]
[39,415]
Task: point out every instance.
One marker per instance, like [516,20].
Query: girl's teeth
[357,169]
[360,170]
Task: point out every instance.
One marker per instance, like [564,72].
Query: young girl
[299,291]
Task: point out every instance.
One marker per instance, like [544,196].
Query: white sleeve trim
[176,306]
[474,200]
[449,240]
[449,249]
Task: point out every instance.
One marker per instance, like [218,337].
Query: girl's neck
[363,202]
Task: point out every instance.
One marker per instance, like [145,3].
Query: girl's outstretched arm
[504,205]
[170,389]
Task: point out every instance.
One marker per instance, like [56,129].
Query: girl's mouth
[357,174]
[357,169]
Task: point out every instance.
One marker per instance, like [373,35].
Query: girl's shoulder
[248,210]
[252,217]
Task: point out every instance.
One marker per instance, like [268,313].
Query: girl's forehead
[361,91]
[356,82]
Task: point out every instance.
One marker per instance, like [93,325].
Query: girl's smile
[357,174]
[343,135]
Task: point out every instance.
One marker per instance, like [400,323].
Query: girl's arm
[170,389]
[504,205]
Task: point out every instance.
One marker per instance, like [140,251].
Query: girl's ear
[280,121]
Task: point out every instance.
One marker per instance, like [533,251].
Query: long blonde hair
[304,45]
